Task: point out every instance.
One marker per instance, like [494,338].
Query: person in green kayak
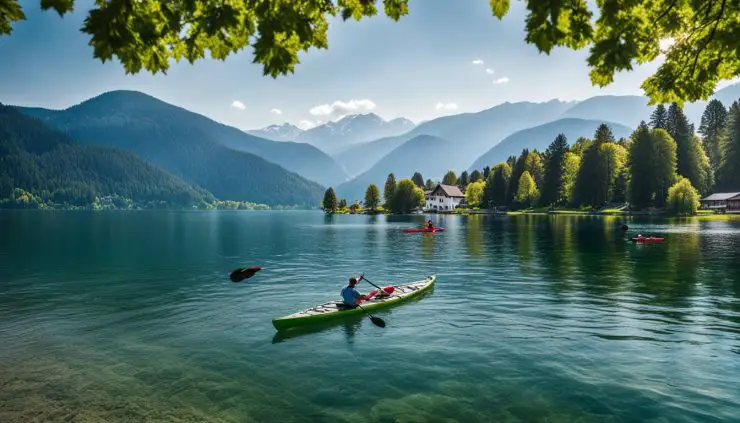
[350,295]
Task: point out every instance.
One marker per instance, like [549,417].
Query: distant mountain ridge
[336,136]
[190,146]
[283,132]
[471,134]
[138,108]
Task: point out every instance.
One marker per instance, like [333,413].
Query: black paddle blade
[239,275]
[377,321]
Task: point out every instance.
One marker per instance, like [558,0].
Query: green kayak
[329,311]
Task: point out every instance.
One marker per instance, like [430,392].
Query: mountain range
[294,166]
[198,150]
[125,118]
[40,165]
[337,136]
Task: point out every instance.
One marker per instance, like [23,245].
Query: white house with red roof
[443,198]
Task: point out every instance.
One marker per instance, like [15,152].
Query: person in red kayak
[430,225]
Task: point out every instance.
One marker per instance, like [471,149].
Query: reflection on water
[130,316]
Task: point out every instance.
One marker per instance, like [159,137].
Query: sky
[445,57]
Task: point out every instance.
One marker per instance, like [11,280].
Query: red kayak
[645,239]
[423,230]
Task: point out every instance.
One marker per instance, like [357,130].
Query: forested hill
[41,167]
[131,119]
[183,150]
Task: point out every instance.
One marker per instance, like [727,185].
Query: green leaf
[60,6]
[10,11]
[500,8]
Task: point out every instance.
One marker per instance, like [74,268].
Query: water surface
[131,317]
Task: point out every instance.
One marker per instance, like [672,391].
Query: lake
[131,317]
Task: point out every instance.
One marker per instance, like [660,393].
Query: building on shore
[722,202]
[443,198]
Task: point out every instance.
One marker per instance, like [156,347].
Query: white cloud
[490,71]
[446,106]
[238,105]
[340,108]
[306,124]
[276,111]
[477,62]
[501,80]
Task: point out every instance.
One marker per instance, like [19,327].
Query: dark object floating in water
[239,275]
[625,227]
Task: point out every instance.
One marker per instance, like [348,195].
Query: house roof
[450,190]
[721,196]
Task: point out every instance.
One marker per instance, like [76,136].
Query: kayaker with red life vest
[430,225]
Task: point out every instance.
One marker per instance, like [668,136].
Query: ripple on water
[533,319]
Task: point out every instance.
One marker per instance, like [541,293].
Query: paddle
[377,321]
[240,274]
[362,276]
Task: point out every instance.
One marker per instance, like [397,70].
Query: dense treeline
[40,167]
[403,196]
[663,164]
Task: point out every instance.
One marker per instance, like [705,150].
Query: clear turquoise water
[131,317]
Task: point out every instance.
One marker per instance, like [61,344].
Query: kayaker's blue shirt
[349,295]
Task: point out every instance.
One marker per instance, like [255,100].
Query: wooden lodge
[722,202]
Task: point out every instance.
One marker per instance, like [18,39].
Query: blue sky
[420,68]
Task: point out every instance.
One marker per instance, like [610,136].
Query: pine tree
[712,127]
[418,180]
[464,180]
[389,190]
[602,163]
[343,203]
[430,184]
[553,187]
[495,191]
[475,176]
[486,172]
[330,201]
[652,164]
[641,159]
[516,174]
[728,174]
[450,178]
[659,118]
[372,197]
[603,134]
[688,164]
